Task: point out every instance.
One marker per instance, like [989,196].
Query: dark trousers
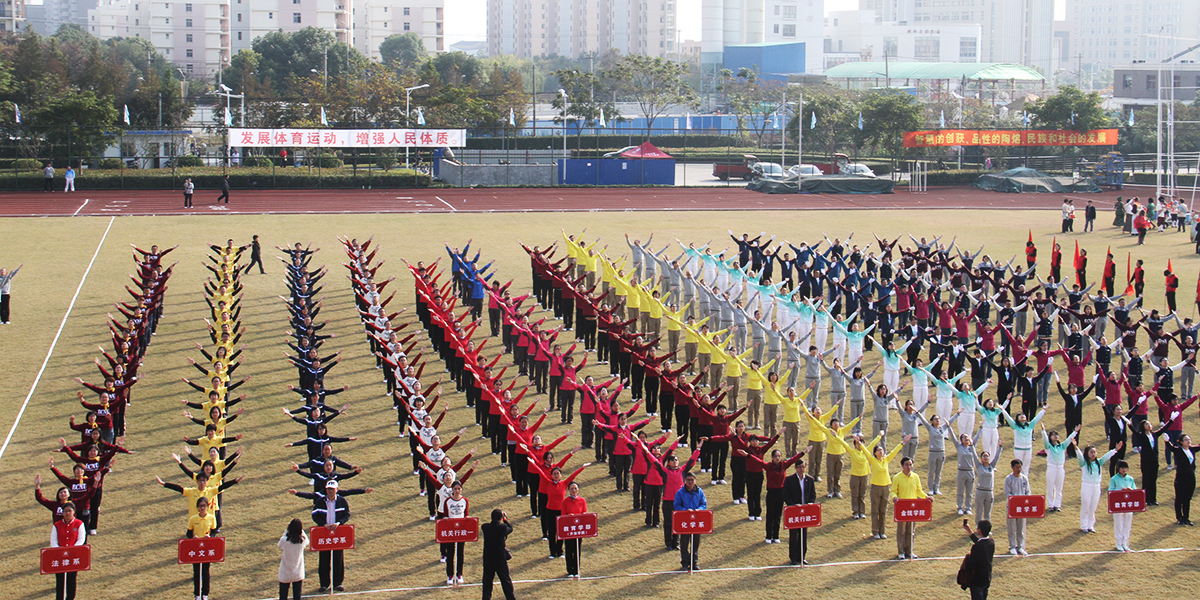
[668,509]
[566,405]
[689,553]
[255,259]
[754,483]
[494,320]
[664,417]
[979,592]
[224,196]
[1149,460]
[737,465]
[651,499]
[718,453]
[621,463]
[638,490]
[296,586]
[48,184]
[681,421]
[1185,488]
[64,583]
[774,512]
[187,200]
[588,430]
[797,544]
[454,566]
[4,307]
[337,564]
[490,573]
[550,530]
[200,579]
[573,547]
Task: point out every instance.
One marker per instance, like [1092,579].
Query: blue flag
[1130,117]
[324,119]
[1072,117]
[860,122]
[127,114]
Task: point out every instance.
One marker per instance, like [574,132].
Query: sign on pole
[574,527]
[913,511]
[1026,507]
[66,559]
[453,531]
[323,539]
[201,550]
[802,516]
[1126,501]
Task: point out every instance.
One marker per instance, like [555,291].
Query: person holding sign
[1122,522]
[906,486]
[67,531]
[800,489]
[1016,484]
[201,524]
[573,504]
[456,506]
[331,510]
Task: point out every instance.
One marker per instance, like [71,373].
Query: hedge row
[210,178]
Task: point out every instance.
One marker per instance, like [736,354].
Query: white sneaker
[460,579]
[1012,551]
[443,559]
[960,511]
[900,557]
[751,517]
[737,500]
[91,532]
[449,581]
[1022,551]
[776,541]
[768,541]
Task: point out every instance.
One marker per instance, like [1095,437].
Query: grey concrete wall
[497,175]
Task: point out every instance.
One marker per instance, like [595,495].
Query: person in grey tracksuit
[880,419]
[812,369]
[967,461]
[794,350]
[910,426]
[939,432]
[985,483]
[837,387]
[856,386]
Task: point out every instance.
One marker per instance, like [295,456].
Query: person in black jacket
[979,561]
[495,555]
[799,489]
[1089,217]
[255,256]
[331,510]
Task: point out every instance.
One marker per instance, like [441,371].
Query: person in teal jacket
[1122,522]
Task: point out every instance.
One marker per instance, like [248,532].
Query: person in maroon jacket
[566,391]
[776,472]
[62,498]
[672,476]
[719,451]
[640,468]
[739,439]
[81,486]
[622,456]
[652,485]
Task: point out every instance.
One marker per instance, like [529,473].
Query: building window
[789,31]
[1152,82]
[777,28]
[189,38]
[967,48]
[270,15]
[406,11]
[187,22]
[789,12]
[295,17]
[777,10]
[239,17]
[189,68]
[927,49]
[188,53]
[239,36]
[1127,82]
[406,27]
[187,8]
[891,46]
[295,1]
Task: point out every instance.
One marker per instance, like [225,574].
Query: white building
[12,15]
[852,36]
[572,28]
[200,36]
[738,22]
[1109,32]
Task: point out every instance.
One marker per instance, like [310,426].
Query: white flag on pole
[324,120]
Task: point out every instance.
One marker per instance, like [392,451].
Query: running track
[443,200]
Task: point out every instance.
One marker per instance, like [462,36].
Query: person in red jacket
[719,451]
[672,476]
[67,531]
[776,472]
[622,456]
[652,485]
[61,499]
[739,439]
[566,392]
[556,365]
[573,504]
[640,469]
[589,399]
[556,490]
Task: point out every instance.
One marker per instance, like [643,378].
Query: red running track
[442,200]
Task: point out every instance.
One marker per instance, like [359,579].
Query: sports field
[134,553]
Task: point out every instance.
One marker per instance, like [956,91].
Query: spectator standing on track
[5,287]
[224,190]
[255,255]
[48,171]
[979,561]
[70,175]
[1089,216]
[291,564]
[495,555]
[188,189]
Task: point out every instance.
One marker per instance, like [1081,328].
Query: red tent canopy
[646,150]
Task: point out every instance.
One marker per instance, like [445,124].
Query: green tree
[654,83]
[459,68]
[1070,108]
[836,115]
[505,90]
[754,101]
[587,98]
[886,116]
[75,122]
[404,50]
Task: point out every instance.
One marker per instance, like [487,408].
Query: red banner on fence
[689,522]
[452,531]
[802,516]
[1126,501]
[201,550]
[913,511]
[66,559]
[1026,507]
[324,538]
[574,527]
[1018,137]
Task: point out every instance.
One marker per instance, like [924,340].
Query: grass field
[134,553]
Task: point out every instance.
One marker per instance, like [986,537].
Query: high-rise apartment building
[12,15]
[200,36]
[1108,32]
[737,22]
[573,28]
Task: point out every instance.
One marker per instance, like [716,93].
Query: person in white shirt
[291,563]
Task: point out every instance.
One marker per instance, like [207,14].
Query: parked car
[726,170]
[617,153]
[805,170]
[768,170]
[858,169]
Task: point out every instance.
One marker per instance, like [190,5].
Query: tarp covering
[823,184]
[646,150]
[1024,181]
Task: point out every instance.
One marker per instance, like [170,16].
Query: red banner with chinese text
[1016,137]
[66,559]
[201,550]
[688,522]
[324,539]
[912,511]
[452,531]
[802,516]
[574,527]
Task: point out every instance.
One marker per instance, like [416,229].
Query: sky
[467,19]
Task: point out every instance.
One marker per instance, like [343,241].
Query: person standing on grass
[979,561]
[1122,522]
[224,190]
[689,497]
[5,290]
[495,555]
[48,172]
[67,531]
[331,510]
[1089,484]
[70,175]
[291,563]
[800,489]
[255,251]
[573,504]
[906,486]
[1016,484]
[201,524]
[189,188]
[1185,478]
[1089,216]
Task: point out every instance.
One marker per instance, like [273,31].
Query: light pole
[407,101]
[960,120]
[563,93]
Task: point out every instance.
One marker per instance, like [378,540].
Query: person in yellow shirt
[201,524]
[202,490]
[881,484]
[817,434]
[674,317]
[834,454]
[791,418]
[906,486]
[717,356]
[735,368]
[654,311]
[771,403]
[860,471]
[691,342]
[756,378]
[704,350]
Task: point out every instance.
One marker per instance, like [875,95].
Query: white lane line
[85,201]
[727,569]
[448,205]
[54,343]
